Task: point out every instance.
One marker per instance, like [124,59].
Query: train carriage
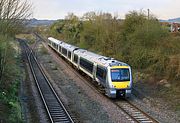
[67,51]
[118,77]
[113,75]
[54,43]
[84,62]
[64,49]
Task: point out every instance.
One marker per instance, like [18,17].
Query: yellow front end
[121,85]
[120,81]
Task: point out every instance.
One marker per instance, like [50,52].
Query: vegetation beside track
[29,37]
[144,43]
[12,16]
[10,81]
[141,42]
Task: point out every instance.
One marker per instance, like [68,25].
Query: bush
[9,83]
[173,68]
[143,43]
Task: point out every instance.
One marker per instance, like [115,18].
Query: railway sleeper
[147,121]
[59,113]
[67,121]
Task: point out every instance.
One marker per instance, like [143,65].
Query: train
[114,76]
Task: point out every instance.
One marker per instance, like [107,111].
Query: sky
[58,9]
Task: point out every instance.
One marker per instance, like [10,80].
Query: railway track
[134,113]
[56,111]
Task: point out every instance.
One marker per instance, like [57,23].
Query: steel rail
[134,112]
[55,109]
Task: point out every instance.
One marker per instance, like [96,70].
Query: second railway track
[56,111]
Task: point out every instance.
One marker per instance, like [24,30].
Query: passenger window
[86,65]
[101,72]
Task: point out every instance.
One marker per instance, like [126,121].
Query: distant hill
[171,20]
[34,22]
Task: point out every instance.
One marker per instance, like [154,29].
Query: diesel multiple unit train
[113,75]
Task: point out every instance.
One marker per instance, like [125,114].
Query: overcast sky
[56,9]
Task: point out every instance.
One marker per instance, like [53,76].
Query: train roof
[68,46]
[54,40]
[63,44]
[99,59]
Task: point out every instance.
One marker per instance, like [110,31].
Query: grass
[171,95]
[177,107]
[30,37]
[15,114]
[9,93]
[44,51]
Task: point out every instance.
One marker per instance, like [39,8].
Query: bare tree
[13,14]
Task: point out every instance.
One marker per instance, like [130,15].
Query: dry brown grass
[30,37]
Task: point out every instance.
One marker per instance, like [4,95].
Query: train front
[120,81]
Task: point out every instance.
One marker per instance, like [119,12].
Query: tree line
[141,41]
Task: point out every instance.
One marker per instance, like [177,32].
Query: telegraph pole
[148,13]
